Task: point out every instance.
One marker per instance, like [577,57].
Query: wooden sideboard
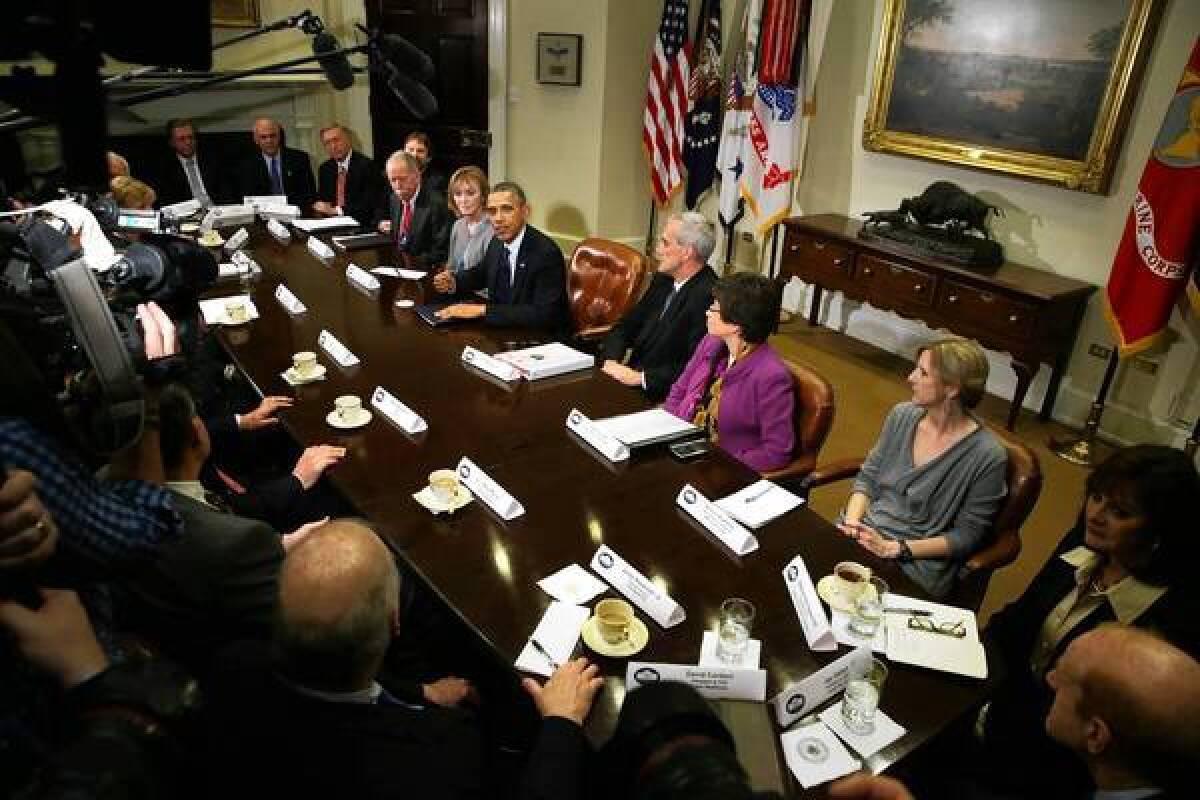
[1031,314]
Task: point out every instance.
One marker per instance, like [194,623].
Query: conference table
[486,569]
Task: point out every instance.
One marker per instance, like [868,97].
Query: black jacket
[171,184]
[252,177]
[538,298]
[429,232]
[364,187]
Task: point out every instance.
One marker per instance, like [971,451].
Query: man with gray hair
[416,217]
[649,347]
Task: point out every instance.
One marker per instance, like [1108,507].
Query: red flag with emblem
[1157,250]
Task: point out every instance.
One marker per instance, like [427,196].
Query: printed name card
[801,698]
[279,231]
[716,521]
[492,366]
[330,344]
[813,620]
[492,493]
[319,248]
[610,446]
[716,683]
[181,210]
[404,417]
[236,241]
[357,275]
[289,301]
[637,588]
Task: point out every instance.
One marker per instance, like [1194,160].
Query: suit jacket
[171,183]
[754,420]
[429,232]
[364,187]
[662,345]
[213,584]
[539,297]
[252,177]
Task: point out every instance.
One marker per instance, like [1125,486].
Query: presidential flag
[704,92]
[667,101]
[734,125]
[1162,233]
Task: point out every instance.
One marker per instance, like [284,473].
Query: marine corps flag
[1158,248]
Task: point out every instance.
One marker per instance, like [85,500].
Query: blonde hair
[961,362]
[470,173]
[132,193]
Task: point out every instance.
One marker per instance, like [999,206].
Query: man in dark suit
[522,270]
[348,183]
[183,175]
[660,333]
[417,217]
[276,169]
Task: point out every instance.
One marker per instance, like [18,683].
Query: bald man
[319,724]
[276,168]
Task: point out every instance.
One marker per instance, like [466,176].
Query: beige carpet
[867,382]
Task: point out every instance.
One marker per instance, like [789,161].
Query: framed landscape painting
[1038,89]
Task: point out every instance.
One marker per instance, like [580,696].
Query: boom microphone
[406,56]
[419,101]
[337,67]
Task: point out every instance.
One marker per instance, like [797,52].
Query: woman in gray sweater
[467,193]
[930,488]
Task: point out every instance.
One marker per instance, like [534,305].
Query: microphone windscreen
[337,67]
[407,57]
[419,101]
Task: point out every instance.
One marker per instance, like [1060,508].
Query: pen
[758,494]
[915,612]
[538,646]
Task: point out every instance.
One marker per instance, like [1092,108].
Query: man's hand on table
[622,373]
[463,311]
[264,415]
[444,282]
[569,692]
[314,461]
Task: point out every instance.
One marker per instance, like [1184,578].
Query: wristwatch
[905,554]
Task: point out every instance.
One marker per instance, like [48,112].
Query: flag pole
[774,250]
[650,232]
[730,242]
[1080,450]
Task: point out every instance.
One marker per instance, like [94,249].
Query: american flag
[667,101]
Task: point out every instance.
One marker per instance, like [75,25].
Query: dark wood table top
[486,569]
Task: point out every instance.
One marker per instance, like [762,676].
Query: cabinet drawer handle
[1013,318]
[818,245]
[795,248]
[837,262]
[918,288]
[952,298]
[867,271]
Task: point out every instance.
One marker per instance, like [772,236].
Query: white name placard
[404,417]
[637,587]
[803,697]
[279,231]
[492,366]
[716,683]
[813,620]
[716,521]
[288,300]
[358,275]
[609,446]
[486,489]
[181,210]
[319,248]
[330,344]
[236,241]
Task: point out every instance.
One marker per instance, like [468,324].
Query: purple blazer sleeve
[690,385]
[775,401]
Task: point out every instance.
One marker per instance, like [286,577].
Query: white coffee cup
[236,310]
[444,483]
[851,578]
[304,363]
[349,408]
[613,619]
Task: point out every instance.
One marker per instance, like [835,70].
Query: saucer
[404,303]
[211,239]
[333,420]
[231,322]
[631,645]
[318,374]
[426,497]
[827,590]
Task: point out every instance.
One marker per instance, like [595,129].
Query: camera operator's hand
[27,531]
[264,415]
[314,461]
[569,692]
[58,637]
[158,332]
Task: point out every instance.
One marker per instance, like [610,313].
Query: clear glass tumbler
[733,629]
[862,696]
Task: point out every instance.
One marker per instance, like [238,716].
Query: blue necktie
[276,179]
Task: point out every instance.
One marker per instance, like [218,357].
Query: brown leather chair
[1024,480]
[604,279]
[811,419]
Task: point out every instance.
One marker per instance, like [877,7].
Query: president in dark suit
[661,332]
[276,169]
[522,270]
[417,217]
[183,175]
[348,183]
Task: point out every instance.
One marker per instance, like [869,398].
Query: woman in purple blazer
[735,386]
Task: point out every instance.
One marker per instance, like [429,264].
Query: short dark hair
[1162,482]
[511,188]
[751,301]
[419,136]
[176,409]
[179,122]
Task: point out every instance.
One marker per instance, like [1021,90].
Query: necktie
[405,221]
[506,277]
[666,305]
[276,178]
[195,182]
[341,187]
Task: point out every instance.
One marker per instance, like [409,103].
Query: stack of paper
[329,223]
[647,427]
[547,360]
[963,655]
[759,503]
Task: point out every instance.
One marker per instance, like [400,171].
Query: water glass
[868,609]
[862,696]
[733,631]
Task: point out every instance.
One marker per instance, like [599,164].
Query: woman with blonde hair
[928,492]
[467,192]
[132,193]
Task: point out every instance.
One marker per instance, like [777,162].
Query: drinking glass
[868,609]
[862,695]
[733,631]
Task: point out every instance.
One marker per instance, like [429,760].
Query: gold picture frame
[235,14]
[1050,104]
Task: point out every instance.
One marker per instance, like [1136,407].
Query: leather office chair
[811,421]
[604,279]
[1023,478]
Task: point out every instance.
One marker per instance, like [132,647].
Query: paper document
[963,655]
[573,584]
[647,427]
[215,310]
[815,755]
[329,223]
[556,634]
[400,272]
[547,360]
[759,503]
